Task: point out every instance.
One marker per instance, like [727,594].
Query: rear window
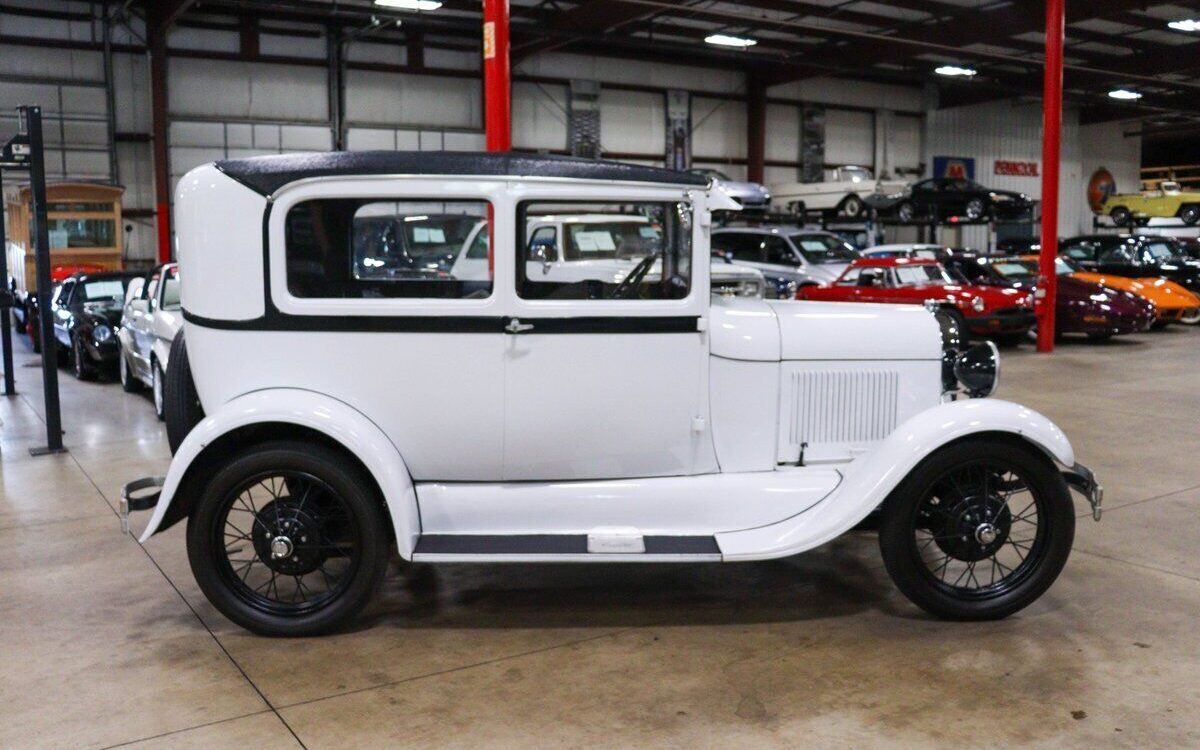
[920,274]
[822,248]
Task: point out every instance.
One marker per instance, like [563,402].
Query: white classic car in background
[844,192]
[151,319]
[528,418]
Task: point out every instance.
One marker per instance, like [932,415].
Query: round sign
[1100,188]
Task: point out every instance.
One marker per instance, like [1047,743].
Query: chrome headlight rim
[977,369]
[101,334]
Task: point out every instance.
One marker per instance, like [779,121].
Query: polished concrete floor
[107,643]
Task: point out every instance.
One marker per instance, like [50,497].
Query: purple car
[1094,310]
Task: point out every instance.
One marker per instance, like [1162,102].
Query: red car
[1003,313]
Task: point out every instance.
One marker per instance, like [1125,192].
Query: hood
[775,330]
[1163,293]
[109,314]
[745,190]
[1089,294]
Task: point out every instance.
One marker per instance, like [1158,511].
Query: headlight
[978,369]
[750,289]
[101,334]
[952,342]
[977,304]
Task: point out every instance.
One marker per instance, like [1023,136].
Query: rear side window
[743,246]
[369,248]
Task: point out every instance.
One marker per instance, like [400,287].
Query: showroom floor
[105,643]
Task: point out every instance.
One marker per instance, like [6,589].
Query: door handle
[515,326]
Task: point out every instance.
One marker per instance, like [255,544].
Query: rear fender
[334,419]
[870,478]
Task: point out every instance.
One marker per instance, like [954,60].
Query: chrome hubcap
[281,547]
[986,533]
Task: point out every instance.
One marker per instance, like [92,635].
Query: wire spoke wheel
[978,529]
[286,542]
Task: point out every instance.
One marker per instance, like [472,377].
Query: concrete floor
[106,643]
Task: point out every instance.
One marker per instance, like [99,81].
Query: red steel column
[497,86]
[1051,140]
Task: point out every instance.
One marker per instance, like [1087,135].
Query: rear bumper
[1081,478]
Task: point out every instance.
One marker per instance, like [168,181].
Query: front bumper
[1011,320]
[1082,479]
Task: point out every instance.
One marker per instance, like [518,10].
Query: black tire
[1121,216]
[975,210]
[906,212]
[852,207]
[346,524]
[158,390]
[182,407]
[80,362]
[927,501]
[129,381]
[1190,214]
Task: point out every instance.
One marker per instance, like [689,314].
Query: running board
[560,548]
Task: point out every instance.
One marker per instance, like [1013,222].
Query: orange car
[1172,303]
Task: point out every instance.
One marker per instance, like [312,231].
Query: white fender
[870,478]
[344,424]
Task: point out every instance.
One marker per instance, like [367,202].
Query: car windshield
[856,174]
[1160,250]
[1062,266]
[965,185]
[103,290]
[823,248]
[170,300]
[923,274]
[598,240]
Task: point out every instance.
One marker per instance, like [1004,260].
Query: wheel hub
[287,537]
[972,528]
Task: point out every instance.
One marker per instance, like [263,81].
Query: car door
[142,331]
[60,310]
[1116,258]
[608,380]
[925,197]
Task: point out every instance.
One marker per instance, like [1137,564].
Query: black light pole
[6,300]
[32,118]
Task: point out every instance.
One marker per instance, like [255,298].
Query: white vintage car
[149,322]
[580,420]
[844,191]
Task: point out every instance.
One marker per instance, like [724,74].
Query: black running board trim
[552,544]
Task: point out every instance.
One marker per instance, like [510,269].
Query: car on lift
[1003,314]
[751,197]
[1167,201]
[1080,307]
[583,420]
[844,192]
[1133,256]
[151,318]
[1172,303]
[789,257]
[86,310]
[945,198]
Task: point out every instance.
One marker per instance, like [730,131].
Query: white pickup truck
[844,192]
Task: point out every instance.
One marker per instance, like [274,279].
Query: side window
[63,294]
[544,239]
[152,290]
[479,246]
[1078,251]
[1115,254]
[742,246]
[370,248]
[608,251]
[779,251]
[170,290]
[850,277]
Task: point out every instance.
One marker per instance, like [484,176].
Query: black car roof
[105,275]
[266,174]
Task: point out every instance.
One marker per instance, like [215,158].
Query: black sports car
[941,198]
[87,315]
[1133,256]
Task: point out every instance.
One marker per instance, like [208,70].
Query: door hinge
[701,324]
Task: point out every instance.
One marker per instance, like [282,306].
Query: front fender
[347,426]
[871,477]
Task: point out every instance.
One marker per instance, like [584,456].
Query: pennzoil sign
[1016,168]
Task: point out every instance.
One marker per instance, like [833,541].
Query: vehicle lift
[24,152]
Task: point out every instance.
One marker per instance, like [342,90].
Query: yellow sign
[489,40]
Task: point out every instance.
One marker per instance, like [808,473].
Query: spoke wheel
[978,530]
[286,545]
[287,538]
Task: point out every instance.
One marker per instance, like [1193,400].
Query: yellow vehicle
[1168,201]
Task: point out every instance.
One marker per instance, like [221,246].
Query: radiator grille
[842,406]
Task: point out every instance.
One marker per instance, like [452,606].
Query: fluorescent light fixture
[726,40]
[410,4]
[1189,24]
[954,70]
[1125,94]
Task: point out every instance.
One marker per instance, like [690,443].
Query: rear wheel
[156,388]
[1191,317]
[1121,216]
[182,409]
[852,207]
[905,212]
[979,530]
[287,540]
[974,209]
[1190,214]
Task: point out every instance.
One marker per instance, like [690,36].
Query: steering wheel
[635,276]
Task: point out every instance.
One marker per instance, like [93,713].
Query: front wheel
[156,389]
[288,540]
[1190,214]
[905,212]
[974,209]
[1121,216]
[852,207]
[979,530]
[129,382]
[1191,317]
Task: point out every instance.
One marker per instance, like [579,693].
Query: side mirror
[541,253]
[134,290]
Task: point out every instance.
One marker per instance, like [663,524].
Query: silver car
[789,257]
[752,196]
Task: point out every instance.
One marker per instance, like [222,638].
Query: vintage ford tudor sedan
[530,417]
